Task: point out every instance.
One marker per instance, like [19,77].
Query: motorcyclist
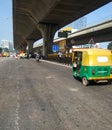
[37,57]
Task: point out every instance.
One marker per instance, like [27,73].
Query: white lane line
[17,118]
[73,89]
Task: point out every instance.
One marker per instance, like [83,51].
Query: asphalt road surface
[45,96]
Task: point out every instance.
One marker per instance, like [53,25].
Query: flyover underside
[103,35]
[28,14]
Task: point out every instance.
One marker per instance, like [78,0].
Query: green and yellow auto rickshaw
[92,64]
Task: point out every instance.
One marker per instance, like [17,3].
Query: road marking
[50,77]
[73,89]
[17,118]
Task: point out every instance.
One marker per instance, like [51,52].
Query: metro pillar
[23,48]
[30,46]
[47,31]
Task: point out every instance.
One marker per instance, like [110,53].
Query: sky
[6,32]
[100,15]
[6,27]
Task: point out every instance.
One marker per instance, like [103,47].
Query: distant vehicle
[37,57]
[5,52]
[22,55]
[92,65]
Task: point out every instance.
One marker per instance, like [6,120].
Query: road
[45,96]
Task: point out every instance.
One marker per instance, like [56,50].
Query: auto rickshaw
[92,64]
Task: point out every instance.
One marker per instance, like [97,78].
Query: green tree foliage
[109,45]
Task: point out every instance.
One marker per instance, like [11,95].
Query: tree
[109,45]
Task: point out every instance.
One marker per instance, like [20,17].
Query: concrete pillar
[47,31]
[24,48]
[30,47]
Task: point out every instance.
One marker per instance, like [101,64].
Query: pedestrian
[59,56]
[66,57]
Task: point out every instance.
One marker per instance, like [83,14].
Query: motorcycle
[37,57]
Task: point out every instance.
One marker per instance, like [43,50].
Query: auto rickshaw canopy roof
[94,56]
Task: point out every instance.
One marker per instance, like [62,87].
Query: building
[5,44]
[79,23]
[11,47]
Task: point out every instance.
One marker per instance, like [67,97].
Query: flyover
[35,19]
[99,33]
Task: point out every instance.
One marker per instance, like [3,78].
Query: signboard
[67,29]
[63,34]
[91,41]
[55,48]
[62,45]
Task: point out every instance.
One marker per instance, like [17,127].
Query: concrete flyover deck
[34,19]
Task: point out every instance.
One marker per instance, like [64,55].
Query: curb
[56,63]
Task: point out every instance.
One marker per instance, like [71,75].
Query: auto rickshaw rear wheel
[109,81]
[85,82]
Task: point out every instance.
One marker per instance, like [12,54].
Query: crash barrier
[65,59]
